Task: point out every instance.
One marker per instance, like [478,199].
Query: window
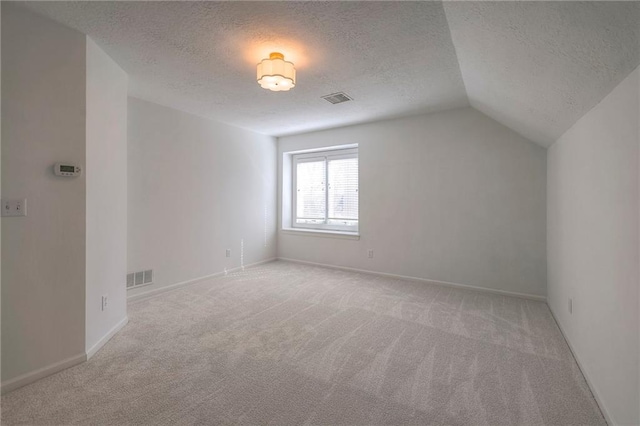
[325,190]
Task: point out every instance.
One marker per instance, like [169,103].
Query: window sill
[321,233]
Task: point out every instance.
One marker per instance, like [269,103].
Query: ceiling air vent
[337,98]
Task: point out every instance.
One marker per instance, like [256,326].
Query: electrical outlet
[370,253]
[228,253]
[570,306]
[105,301]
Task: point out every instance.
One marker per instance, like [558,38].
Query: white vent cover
[337,98]
[140,278]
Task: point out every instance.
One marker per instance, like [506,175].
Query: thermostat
[66,169]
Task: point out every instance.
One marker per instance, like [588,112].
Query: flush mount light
[276,74]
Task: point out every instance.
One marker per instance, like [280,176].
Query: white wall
[43,254]
[196,188]
[452,196]
[106,177]
[0,194]
[593,213]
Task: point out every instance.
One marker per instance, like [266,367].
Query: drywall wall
[196,188]
[43,254]
[106,192]
[593,251]
[451,196]
[0,197]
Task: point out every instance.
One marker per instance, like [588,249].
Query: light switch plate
[14,207]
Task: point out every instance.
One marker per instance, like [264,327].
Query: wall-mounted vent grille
[337,98]
[136,279]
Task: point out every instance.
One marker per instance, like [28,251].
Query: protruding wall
[106,166]
[43,254]
[63,100]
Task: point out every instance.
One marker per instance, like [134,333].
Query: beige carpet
[284,344]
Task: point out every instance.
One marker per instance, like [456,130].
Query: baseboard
[95,348]
[585,373]
[41,373]
[171,287]
[405,277]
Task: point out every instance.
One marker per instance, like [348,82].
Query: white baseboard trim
[404,277]
[171,287]
[584,371]
[41,373]
[95,348]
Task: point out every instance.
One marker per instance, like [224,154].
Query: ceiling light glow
[276,74]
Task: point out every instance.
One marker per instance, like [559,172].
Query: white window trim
[324,233]
[329,154]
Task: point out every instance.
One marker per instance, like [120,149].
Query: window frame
[327,155]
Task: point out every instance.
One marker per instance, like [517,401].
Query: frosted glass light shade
[276,74]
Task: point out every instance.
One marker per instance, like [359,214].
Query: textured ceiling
[392,58]
[536,67]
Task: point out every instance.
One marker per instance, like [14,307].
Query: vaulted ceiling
[538,67]
[535,67]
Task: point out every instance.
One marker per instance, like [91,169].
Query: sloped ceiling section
[393,58]
[537,67]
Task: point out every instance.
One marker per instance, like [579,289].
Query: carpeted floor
[284,343]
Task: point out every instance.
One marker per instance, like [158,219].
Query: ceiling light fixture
[276,74]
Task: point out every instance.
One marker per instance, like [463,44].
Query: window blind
[311,201]
[343,190]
